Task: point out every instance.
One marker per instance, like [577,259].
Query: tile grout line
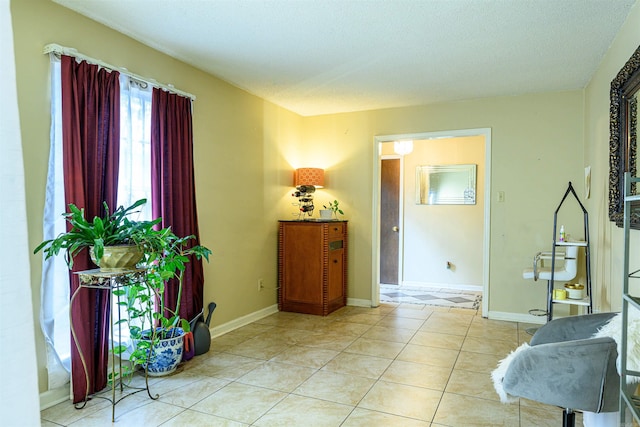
[382,321]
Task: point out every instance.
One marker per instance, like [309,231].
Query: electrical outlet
[260,284]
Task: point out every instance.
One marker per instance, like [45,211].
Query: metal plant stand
[108,281]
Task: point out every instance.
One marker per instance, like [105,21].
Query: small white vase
[325,213]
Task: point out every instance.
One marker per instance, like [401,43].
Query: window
[134,174]
[134,180]
[134,183]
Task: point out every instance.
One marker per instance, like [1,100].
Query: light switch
[500,196]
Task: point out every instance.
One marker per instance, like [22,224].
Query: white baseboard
[50,398]
[242,321]
[517,317]
[356,302]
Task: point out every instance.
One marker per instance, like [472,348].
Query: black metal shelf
[629,400]
[587,301]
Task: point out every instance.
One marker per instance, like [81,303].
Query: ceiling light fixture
[403,147]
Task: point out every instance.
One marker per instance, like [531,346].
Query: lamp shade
[308,176]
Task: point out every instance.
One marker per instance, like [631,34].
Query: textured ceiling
[327,56]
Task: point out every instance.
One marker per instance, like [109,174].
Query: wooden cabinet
[312,266]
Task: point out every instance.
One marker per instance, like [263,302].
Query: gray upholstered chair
[564,366]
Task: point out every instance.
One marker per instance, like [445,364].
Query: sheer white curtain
[134,179]
[134,175]
[134,183]
[54,313]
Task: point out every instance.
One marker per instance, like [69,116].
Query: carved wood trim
[622,143]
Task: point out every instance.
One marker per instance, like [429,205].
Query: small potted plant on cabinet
[334,208]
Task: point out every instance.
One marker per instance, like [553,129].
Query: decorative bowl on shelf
[574,290]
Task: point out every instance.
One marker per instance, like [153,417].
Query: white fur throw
[611,329]
[498,374]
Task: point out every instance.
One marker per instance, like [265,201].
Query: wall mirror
[623,142]
[446,185]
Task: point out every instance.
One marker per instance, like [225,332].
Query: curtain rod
[69,51]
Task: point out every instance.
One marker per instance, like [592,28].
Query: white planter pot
[325,213]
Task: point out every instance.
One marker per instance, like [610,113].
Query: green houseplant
[112,229]
[150,320]
[163,258]
[334,207]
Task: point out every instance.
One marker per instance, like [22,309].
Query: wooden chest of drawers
[312,266]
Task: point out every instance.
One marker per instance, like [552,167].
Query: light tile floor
[395,365]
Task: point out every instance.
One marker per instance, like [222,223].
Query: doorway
[388,231]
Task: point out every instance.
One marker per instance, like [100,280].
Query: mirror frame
[622,142]
[468,196]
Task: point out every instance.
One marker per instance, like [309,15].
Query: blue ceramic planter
[166,356]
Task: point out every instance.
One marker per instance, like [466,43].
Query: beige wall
[246,148]
[435,235]
[536,144]
[239,141]
[607,237]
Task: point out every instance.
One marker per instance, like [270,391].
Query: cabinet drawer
[335,245]
[336,229]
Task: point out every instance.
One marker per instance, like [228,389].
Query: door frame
[400,216]
[375,223]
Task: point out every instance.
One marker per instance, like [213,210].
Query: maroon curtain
[91,146]
[173,188]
